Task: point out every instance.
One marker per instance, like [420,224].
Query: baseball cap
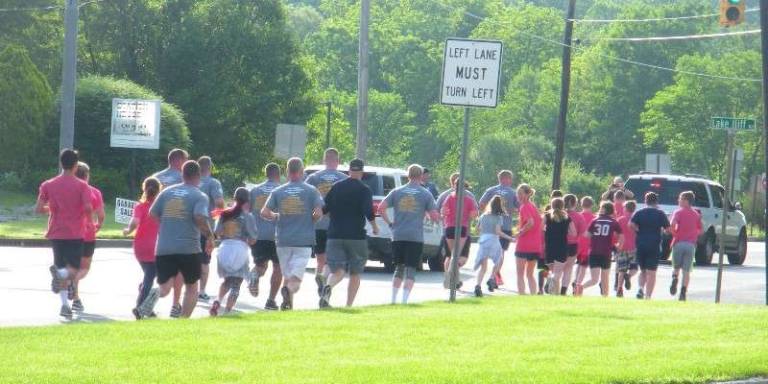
[356,165]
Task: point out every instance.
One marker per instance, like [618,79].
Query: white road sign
[290,140]
[135,124]
[471,73]
[124,210]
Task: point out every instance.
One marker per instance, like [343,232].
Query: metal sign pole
[454,277]
[726,210]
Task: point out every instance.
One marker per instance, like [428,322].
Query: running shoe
[77,306]
[136,313]
[640,294]
[215,308]
[620,292]
[148,305]
[176,311]
[66,312]
[499,280]
[325,297]
[320,280]
[203,297]
[478,291]
[253,283]
[459,285]
[683,293]
[55,279]
[492,284]
[627,282]
[271,305]
[673,286]
[287,304]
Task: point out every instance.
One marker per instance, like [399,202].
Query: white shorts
[233,257]
[293,260]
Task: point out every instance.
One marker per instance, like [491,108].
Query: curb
[40,243]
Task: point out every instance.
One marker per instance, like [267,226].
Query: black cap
[426,170]
[356,165]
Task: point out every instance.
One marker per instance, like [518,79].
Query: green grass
[498,340]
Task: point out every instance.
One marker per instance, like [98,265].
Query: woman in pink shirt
[449,212]
[571,201]
[92,224]
[584,242]
[686,228]
[146,228]
[529,239]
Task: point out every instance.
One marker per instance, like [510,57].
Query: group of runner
[182,212]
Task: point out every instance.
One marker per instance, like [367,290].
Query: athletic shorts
[168,266]
[529,256]
[541,263]
[407,253]
[505,242]
[624,261]
[557,255]
[648,259]
[67,253]
[205,258]
[450,233]
[682,255]
[263,251]
[89,247]
[573,250]
[582,260]
[321,241]
[349,255]
[464,251]
[599,261]
[293,260]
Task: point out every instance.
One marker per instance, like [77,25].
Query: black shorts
[450,233]
[407,252]
[557,255]
[464,251]
[321,239]
[264,251]
[67,253]
[89,247]
[600,261]
[189,265]
[505,242]
[205,258]
[529,256]
[542,264]
[648,258]
[573,250]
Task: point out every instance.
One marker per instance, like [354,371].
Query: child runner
[145,240]
[584,242]
[529,239]
[236,228]
[573,241]
[626,264]
[545,264]
[489,227]
[449,211]
[686,228]
[557,227]
[619,198]
[93,224]
[601,232]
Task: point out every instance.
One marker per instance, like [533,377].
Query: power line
[686,37]
[690,17]
[31,9]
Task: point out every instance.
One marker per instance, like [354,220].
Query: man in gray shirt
[182,212]
[411,203]
[294,207]
[212,188]
[323,181]
[264,250]
[509,204]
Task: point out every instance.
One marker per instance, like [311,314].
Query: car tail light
[656,183]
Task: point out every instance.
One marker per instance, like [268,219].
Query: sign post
[471,74]
[135,124]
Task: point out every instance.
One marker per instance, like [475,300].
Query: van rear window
[668,190]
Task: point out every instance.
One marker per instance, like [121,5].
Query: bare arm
[100,217]
[572,229]
[42,206]
[268,214]
[383,212]
[205,230]
[620,244]
[131,227]
[501,233]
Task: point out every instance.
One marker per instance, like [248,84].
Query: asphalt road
[110,290]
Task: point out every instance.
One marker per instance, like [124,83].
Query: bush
[10,181]
[573,180]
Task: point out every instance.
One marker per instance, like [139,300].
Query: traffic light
[731,12]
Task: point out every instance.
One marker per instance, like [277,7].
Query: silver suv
[709,203]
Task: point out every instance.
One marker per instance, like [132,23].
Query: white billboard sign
[135,124]
[471,73]
[290,141]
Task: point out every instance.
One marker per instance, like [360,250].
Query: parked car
[709,203]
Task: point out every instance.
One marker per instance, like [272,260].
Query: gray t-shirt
[410,203]
[445,194]
[176,208]
[265,229]
[508,201]
[323,181]
[295,202]
[212,188]
[242,227]
[168,177]
[488,223]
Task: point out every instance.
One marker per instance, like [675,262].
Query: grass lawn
[499,340]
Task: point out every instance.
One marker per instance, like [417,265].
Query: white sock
[63,295]
[63,273]
[406,293]
[394,295]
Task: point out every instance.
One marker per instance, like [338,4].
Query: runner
[648,223]
[144,242]
[529,239]
[411,203]
[509,204]
[294,207]
[601,233]
[626,260]
[686,228]
[264,250]
[558,227]
[453,179]
[167,177]
[619,198]
[212,188]
[236,228]
[584,242]
[182,211]
[545,263]
[348,204]
[449,212]
[490,229]
[92,226]
[67,201]
[617,185]
[323,181]
[573,241]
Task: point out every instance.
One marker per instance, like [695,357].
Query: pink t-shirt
[581,225]
[66,196]
[146,233]
[531,240]
[686,225]
[618,210]
[629,233]
[585,242]
[449,210]
[97,202]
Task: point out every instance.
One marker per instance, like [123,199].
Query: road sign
[659,163]
[471,73]
[124,210]
[290,140]
[135,124]
[732,123]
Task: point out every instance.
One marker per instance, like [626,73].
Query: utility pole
[764,40]
[328,124]
[362,81]
[69,74]
[565,88]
